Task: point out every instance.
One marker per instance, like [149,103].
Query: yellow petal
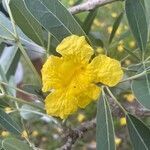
[50,73]
[106,70]
[59,104]
[77,47]
[88,95]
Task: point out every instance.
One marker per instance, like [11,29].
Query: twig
[134,108]
[76,133]
[89,5]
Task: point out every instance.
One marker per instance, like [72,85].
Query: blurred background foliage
[41,130]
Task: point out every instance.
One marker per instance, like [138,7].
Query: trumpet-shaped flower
[71,79]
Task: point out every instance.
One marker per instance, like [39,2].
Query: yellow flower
[71,78]
[24,134]
[35,133]
[123,121]
[129,97]
[8,110]
[5,133]
[109,29]
[80,117]
[120,48]
[114,15]
[118,141]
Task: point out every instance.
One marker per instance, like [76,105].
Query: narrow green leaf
[54,17]
[89,20]
[27,112]
[137,21]
[131,53]
[115,26]
[104,129]
[26,21]
[1,47]
[9,60]
[96,39]
[3,102]
[139,133]
[9,124]
[14,144]
[6,31]
[2,74]
[141,90]
[147,6]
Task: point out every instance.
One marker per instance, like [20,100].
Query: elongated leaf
[6,33]
[14,144]
[115,26]
[139,133]
[89,20]
[3,102]
[54,17]
[147,5]
[131,53]
[26,112]
[104,129]
[1,47]
[9,60]
[9,124]
[26,21]
[141,89]
[96,39]
[2,75]
[137,21]
[5,28]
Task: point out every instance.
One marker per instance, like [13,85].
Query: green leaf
[2,46]
[132,53]
[6,31]
[9,124]
[147,6]
[26,21]
[30,88]
[2,75]
[27,112]
[141,89]
[89,20]
[104,129]
[96,39]
[54,17]
[9,60]
[139,133]
[14,144]
[137,21]
[115,26]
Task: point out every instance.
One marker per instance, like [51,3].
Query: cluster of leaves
[39,26]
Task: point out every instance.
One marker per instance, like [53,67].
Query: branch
[134,108]
[89,5]
[74,134]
